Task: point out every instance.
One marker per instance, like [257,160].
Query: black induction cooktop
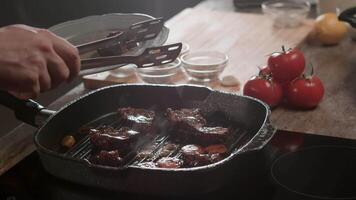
[292,166]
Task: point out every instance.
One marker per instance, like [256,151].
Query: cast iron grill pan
[248,114]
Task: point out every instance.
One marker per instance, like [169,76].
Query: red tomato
[287,65]
[285,86]
[265,71]
[268,91]
[305,92]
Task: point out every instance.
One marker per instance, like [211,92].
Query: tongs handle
[93,63]
[126,39]
[153,56]
[94,45]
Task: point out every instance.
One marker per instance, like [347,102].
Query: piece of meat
[189,125]
[138,119]
[216,149]
[216,152]
[185,118]
[191,150]
[212,135]
[194,155]
[107,158]
[169,162]
[109,138]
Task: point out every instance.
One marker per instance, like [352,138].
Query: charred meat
[190,125]
[107,158]
[195,155]
[138,119]
[109,138]
[194,141]
[169,162]
[216,149]
[212,135]
[185,118]
[216,152]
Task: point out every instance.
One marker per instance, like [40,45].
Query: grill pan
[248,116]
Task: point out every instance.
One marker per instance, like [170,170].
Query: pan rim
[215,165]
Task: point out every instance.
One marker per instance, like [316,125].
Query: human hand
[34,60]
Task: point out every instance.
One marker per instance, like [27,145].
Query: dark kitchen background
[46,13]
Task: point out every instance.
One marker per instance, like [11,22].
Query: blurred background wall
[45,13]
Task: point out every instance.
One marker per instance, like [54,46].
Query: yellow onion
[329,30]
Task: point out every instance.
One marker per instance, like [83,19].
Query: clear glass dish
[185,49]
[204,66]
[286,13]
[160,74]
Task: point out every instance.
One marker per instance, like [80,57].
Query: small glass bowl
[160,74]
[185,49]
[204,66]
[286,13]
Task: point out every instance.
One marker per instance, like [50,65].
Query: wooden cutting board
[246,38]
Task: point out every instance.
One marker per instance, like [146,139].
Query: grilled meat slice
[216,152]
[189,125]
[138,119]
[191,150]
[107,158]
[216,149]
[185,118]
[193,155]
[109,138]
[212,135]
[169,162]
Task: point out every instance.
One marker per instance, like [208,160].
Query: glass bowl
[185,49]
[160,74]
[286,13]
[204,66]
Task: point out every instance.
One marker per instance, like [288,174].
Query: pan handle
[260,139]
[27,111]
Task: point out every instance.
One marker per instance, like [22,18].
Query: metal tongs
[122,42]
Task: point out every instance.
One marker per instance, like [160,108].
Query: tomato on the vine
[265,89]
[305,92]
[286,65]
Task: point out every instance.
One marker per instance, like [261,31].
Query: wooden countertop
[335,116]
